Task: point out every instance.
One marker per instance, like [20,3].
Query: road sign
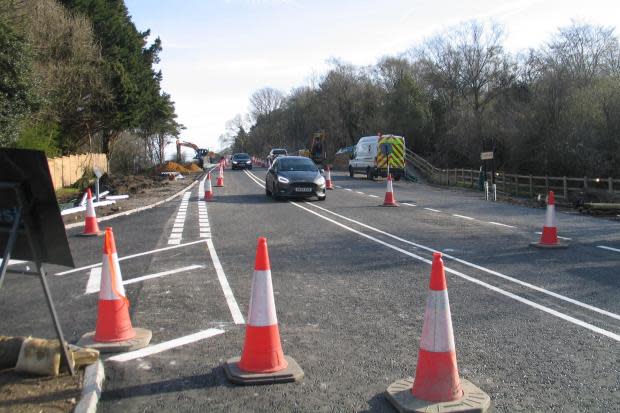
[386,148]
[486,156]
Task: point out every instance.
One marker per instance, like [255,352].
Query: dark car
[241,160]
[274,153]
[294,177]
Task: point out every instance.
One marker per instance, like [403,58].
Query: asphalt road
[538,330]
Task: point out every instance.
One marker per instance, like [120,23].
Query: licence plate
[303,189]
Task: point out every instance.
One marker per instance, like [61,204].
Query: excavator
[200,155]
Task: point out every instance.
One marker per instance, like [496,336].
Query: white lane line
[608,248]
[360,192]
[14,262]
[337,186]
[464,217]
[174,242]
[348,189]
[95,288]
[128,257]
[176,235]
[228,294]
[167,345]
[478,267]
[373,196]
[203,219]
[564,238]
[431,209]
[548,310]
[501,225]
[408,204]
[94,281]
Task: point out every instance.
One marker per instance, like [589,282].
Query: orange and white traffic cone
[549,235]
[208,189]
[389,200]
[91,227]
[328,180]
[220,177]
[262,360]
[437,386]
[113,332]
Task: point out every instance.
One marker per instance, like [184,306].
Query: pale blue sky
[216,53]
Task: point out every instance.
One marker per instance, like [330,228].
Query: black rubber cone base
[548,246]
[290,374]
[90,234]
[141,340]
[474,400]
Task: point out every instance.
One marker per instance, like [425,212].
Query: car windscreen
[279,152]
[241,156]
[297,165]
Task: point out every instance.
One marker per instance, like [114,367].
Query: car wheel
[274,193]
[322,198]
[351,174]
[267,191]
[369,175]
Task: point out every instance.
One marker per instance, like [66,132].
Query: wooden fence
[66,170]
[513,184]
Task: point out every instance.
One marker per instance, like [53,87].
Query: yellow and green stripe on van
[397,157]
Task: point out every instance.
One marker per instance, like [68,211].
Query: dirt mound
[130,184]
[194,168]
[173,167]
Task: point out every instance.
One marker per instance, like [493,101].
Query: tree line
[550,110]
[77,75]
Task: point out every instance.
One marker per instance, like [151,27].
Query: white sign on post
[486,156]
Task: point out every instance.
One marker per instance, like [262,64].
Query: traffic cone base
[291,373]
[141,339]
[473,399]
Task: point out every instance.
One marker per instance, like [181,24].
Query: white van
[368,161]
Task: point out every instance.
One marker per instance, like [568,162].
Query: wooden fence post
[531,187]
[585,182]
[516,185]
[610,181]
[471,177]
[504,182]
[565,184]
[546,184]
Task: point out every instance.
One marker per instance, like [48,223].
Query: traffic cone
[91,227]
[220,177]
[262,360]
[328,181]
[208,189]
[389,200]
[549,236]
[437,386]
[113,331]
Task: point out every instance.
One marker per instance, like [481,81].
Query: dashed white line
[167,345]
[501,225]
[433,210]
[176,235]
[373,196]
[360,192]
[464,217]
[93,288]
[607,248]
[228,294]
[337,186]
[348,189]
[408,204]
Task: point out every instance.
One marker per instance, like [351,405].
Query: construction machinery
[201,156]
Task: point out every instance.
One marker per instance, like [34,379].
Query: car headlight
[319,181]
[234,161]
[283,180]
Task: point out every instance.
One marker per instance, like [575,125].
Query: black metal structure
[27,204]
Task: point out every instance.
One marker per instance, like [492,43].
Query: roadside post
[486,157]
[386,149]
[98,174]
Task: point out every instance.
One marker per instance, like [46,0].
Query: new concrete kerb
[133,211]
[91,391]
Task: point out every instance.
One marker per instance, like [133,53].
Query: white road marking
[95,288]
[548,310]
[478,267]
[128,257]
[94,281]
[608,248]
[464,217]
[14,262]
[501,225]
[373,196]
[166,345]
[337,186]
[174,241]
[360,192]
[408,204]
[348,189]
[205,234]
[564,238]
[176,235]
[230,297]
[174,229]
[431,209]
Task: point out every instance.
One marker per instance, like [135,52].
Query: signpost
[386,149]
[27,202]
[485,157]
[98,174]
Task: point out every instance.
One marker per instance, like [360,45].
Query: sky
[216,53]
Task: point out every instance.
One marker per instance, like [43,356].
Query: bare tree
[264,101]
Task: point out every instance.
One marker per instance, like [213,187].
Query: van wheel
[369,174]
[351,172]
